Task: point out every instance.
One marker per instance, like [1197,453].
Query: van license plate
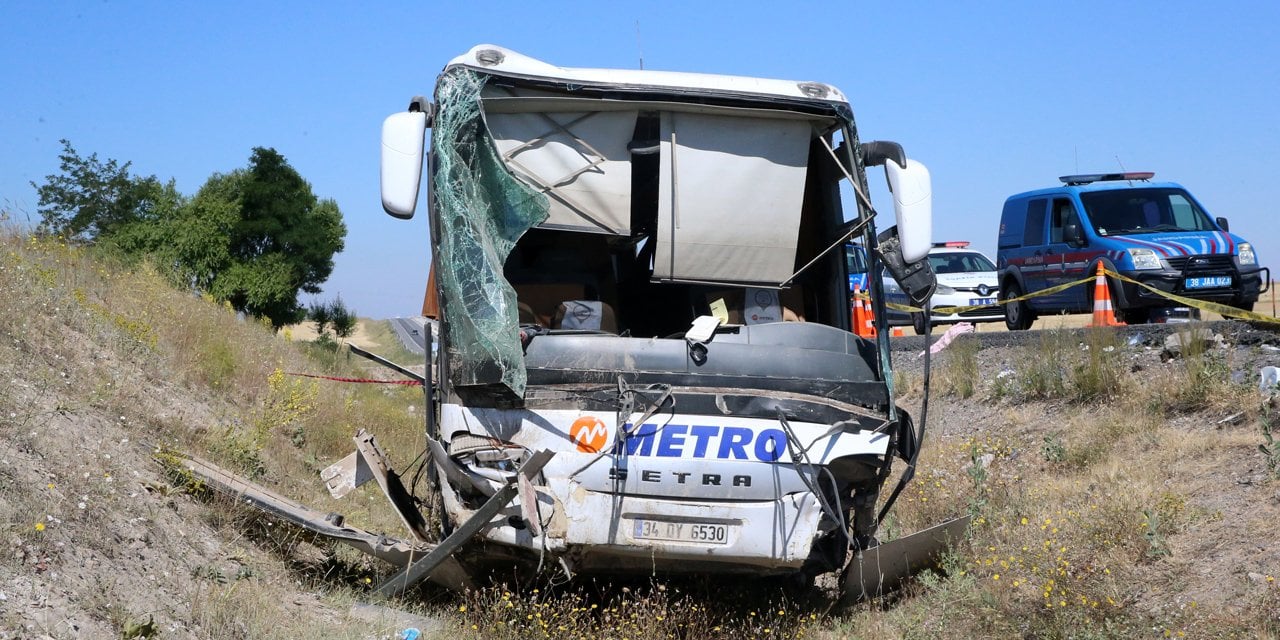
[704,533]
[1208,282]
[974,302]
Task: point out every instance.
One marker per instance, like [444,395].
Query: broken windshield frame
[585,280]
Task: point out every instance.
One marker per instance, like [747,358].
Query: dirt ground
[1218,468]
[306,332]
[98,539]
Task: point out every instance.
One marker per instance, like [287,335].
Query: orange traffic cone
[859,322]
[1103,314]
[869,318]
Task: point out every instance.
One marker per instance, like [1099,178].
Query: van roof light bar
[954,244]
[1087,178]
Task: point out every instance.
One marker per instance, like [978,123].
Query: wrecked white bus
[645,361]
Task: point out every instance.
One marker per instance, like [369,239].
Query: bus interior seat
[589,315]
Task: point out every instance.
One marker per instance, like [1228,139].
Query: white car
[965,278]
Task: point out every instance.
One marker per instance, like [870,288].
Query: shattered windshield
[559,213]
[1126,211]
[482,211]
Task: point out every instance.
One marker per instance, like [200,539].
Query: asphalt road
[410,331]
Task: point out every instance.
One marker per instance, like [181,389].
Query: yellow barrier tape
[961,309]
[1214,307]
[1203,305]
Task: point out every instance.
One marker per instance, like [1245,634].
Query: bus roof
[493,59]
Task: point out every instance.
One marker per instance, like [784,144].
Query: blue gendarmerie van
[1153,232]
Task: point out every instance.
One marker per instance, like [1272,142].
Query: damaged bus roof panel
[493,59]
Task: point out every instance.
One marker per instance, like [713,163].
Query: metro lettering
[702,436]
[703,441]
[742,481]
[641,441]
[711,479]
[672,440]
[772,436]
[650,476]
[733,440]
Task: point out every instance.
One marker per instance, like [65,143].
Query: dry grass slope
[1115,495]
[99,365]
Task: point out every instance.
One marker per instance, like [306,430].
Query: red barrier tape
[411,383]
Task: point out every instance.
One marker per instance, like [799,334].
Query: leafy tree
[254,237]
[92,199]
[283,242]
[318,312]
[343,319]
[197,245]
[257,237]
[150,231]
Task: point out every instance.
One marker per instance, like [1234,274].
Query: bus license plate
[703,533]
[1208,282]
[975,302]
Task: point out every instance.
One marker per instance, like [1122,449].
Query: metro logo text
[705,441]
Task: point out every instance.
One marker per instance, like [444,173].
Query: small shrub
[978,476]
[217,364]
[1269,449]
[318,312]
[343,319]
[1052,449]
[1043,374]
[960,367]
[1099,375]
[241,450]
[1156,545]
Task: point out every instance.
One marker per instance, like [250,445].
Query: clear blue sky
[995,97]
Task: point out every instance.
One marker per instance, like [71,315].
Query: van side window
[1033,235]
[1064,213]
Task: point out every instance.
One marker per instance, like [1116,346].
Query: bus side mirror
[913,208]
[915,277]
[403,139]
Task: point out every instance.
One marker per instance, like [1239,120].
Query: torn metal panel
[389,481]
[368,462]
[883,568]
[345,475]
[425,568]
[449,573]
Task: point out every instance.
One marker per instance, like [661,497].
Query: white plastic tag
[704,327]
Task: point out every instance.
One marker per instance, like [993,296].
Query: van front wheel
[917,323]
[1133,316]
[1017,315]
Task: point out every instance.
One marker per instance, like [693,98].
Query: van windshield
[1153,210]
